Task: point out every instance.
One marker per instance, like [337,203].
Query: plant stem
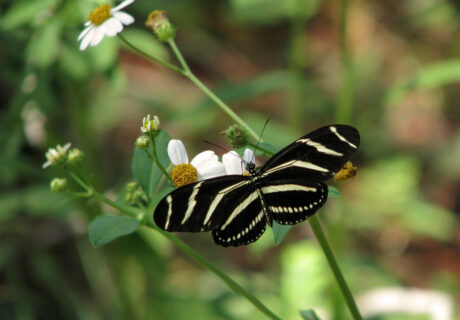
[205,263]
[318,231]
[179,56]
[157,161]
[150,57]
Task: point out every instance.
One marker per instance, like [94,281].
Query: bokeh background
[390,68]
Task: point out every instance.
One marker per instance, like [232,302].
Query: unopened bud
[237,136]
[159,23]
[75,156]
[58,184]
[143,142]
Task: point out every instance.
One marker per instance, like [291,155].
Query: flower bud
[56,156]
[159,23]
[74,157]
[150,126]
[58,184]
[132,186]
[237,136]
[142,142]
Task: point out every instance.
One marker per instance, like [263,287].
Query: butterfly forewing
[200,206]
[318,155]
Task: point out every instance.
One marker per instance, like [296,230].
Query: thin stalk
[179,56]
[150,57]
[208,265]
[318,231]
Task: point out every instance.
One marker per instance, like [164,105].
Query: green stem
[155,159]
[318,231]
[179,56]
[205,263]
[189,74]
[150,57]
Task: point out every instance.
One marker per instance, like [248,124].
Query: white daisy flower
[204,165]
[54,155]
[104,21]
[235,165]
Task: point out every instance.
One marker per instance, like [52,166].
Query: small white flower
[204,165]
[104,21]
[54,155]
[149,126]
[235,165]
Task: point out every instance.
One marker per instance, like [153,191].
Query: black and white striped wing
[290,201]
[228,205]
[318,155]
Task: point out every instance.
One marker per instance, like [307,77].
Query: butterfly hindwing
[290,201]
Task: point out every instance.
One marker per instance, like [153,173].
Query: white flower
[55,154]
[104,21]
[204,165]
[235,165]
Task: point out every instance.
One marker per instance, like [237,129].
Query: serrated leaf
[279,232]
[309,315]
[106,228]
[333,192]
[146,171]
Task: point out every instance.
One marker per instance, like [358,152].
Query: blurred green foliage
[395,224]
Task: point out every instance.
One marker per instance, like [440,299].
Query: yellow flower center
[348,171]
[100,14]
[184,174]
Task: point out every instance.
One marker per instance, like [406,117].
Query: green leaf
[279,232]
[309,315]
[25,11]
[106,228]
[149,176]
[333,192]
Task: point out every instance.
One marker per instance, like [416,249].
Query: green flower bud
[75,156]
[56,156]
[237,136]
[142,142]
[159,23]
[131,186]
[58,184]
[150,127]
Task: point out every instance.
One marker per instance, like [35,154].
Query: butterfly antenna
[260,138]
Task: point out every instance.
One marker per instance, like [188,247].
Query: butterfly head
[251,168]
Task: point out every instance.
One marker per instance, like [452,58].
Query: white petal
[112,26]
[176,152]
[232,163]
[123,17]
[121,5]
[66,146]
[249,156]
[204,156]
[84,33]
[210,170]
[87,39]
[97,36]
[46,164]
[87,23]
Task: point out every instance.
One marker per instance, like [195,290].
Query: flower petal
[112,26]
[210,169]
[97,36]
[84,32]
[203,157]
[121,5]
[123,17]
[232,163]
[249,156]
[176,152]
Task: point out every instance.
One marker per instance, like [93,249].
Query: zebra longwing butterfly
[289,188]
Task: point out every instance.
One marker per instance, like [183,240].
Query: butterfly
[287,189]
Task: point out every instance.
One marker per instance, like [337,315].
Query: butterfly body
[288,189]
